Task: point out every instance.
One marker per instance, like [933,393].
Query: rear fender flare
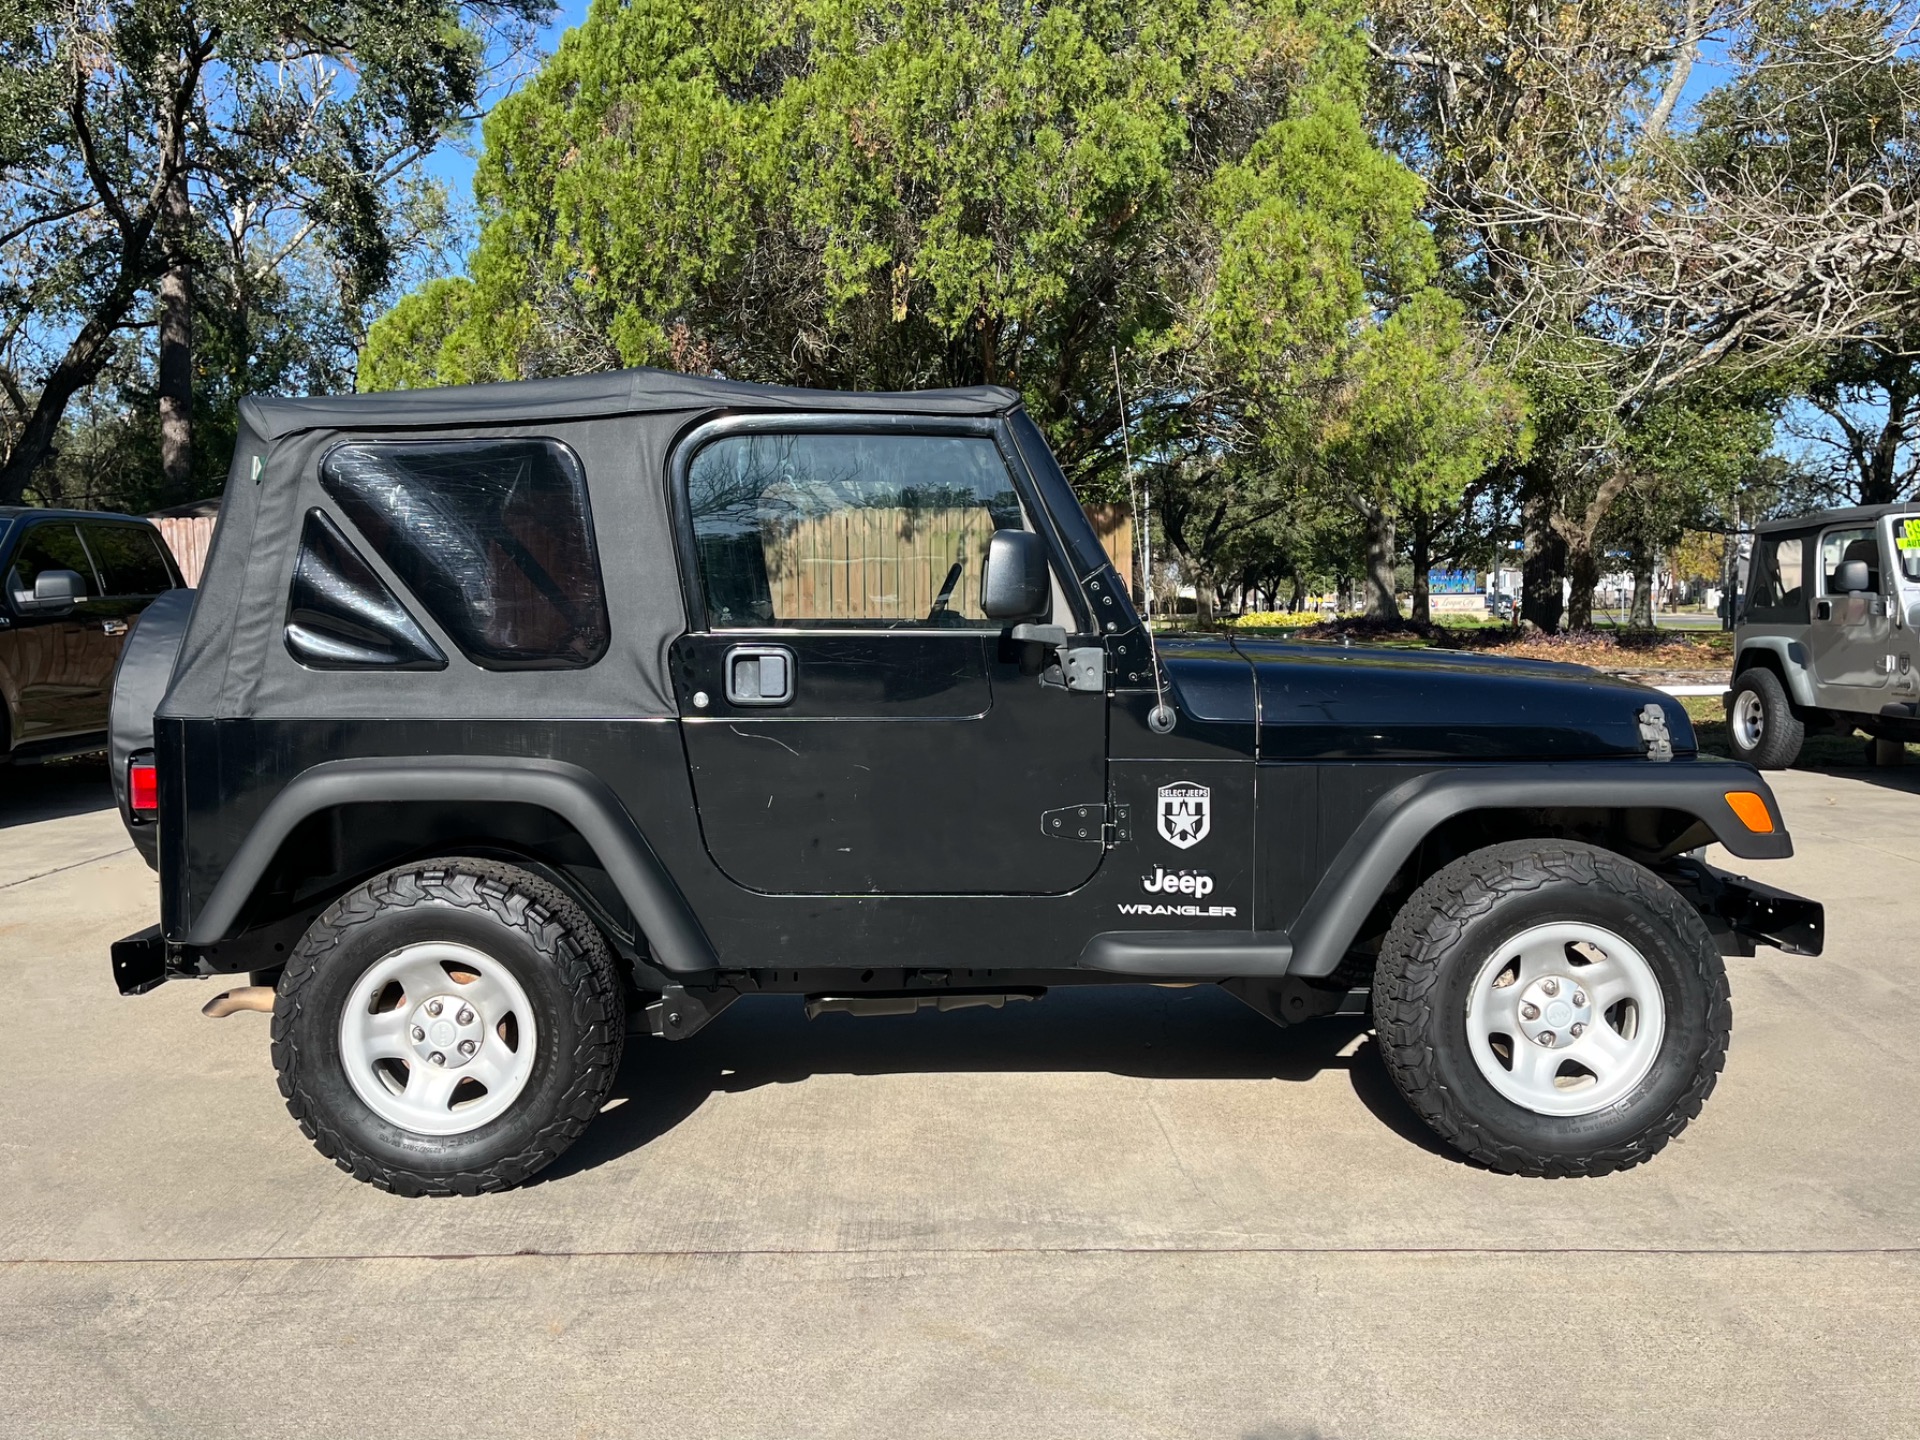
[577,796]
[1373,855]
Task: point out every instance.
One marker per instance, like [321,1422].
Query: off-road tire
[1782,732]
[528,925]
[1452,925]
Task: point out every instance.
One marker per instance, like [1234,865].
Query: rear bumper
[146,960]
[1744,913]
[140,962]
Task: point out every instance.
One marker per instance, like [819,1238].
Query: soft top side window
[342,616]
[1777,593]
[1837,547]
[824,530]
[494,536]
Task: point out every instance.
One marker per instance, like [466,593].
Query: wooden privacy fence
[877,562]
[862,564]
[1114,525]
[188,537]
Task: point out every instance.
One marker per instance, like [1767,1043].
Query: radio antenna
[1159,719]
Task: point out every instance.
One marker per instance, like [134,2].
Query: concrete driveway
[1133,1213]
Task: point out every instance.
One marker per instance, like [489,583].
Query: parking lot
[1127,1212]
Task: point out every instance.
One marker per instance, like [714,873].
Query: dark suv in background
[73,580]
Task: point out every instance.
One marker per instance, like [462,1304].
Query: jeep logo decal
[1184,814]
[1197,883]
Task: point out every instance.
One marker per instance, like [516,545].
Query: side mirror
[1852,578]
[1014,584]
[53,590]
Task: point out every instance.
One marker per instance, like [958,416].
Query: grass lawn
[1605,648]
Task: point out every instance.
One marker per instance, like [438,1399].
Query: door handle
[759,675]
[1823,610]
[114,627]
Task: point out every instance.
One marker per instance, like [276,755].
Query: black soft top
[619,392]
[234,664]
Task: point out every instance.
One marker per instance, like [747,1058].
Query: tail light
[143,789]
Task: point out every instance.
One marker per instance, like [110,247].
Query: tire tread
[1424,938]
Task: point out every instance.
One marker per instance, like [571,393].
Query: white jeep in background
[1827,640]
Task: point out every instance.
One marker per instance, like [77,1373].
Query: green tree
[831,192]
[1317,356]
[1424,420]
[1626,244]
[1685,460]
[128,126]
[1294,252]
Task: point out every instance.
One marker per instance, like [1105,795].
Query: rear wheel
[1761,726]
[448,1028]
[1551,1008]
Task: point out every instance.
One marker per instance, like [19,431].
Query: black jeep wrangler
[504,714]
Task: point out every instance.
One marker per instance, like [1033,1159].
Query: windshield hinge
[1073,667]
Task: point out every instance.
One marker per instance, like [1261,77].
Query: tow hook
[247,997]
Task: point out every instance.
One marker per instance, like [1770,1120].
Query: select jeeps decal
[1197,883]
[1184,814]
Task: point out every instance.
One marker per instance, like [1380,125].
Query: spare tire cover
[139,682]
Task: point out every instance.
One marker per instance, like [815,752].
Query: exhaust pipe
[247,997]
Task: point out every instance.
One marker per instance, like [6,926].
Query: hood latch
[1653,733]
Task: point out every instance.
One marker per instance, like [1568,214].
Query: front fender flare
[1407,814]
[576,795]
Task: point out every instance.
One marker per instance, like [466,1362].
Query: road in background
[1128,1212]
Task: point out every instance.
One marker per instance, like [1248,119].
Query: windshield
[1906,543]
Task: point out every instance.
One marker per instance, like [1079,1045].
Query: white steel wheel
[1749,720]
[438,1038]
[1565,1019]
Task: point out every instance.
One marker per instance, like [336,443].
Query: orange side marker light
[1752,811]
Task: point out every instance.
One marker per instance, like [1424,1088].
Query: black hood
[1330,702]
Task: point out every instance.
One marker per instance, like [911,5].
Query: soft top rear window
[494,536]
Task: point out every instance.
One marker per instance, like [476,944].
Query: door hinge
[1089,824]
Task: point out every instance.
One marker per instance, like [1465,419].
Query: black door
[853,723]
[61,660]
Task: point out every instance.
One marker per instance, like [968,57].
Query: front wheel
[448,1028]
[1551,1008]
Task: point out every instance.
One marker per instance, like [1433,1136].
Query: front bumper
[1744,913]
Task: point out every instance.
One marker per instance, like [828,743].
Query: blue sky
[454,163]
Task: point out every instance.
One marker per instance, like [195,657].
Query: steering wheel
[946,594]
